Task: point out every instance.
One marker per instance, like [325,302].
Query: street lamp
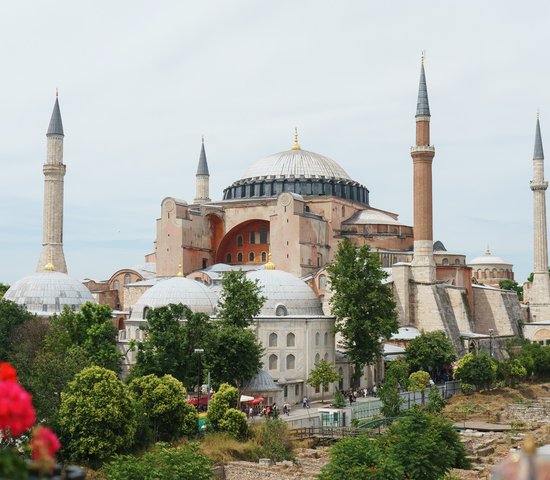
[199,352]
[491,333]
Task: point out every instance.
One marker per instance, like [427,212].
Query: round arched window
[281,311]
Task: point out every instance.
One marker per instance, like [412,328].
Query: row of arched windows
[251,257]
[290,362]
[290,340]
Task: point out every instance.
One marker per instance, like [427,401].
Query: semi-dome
[488,259]
[298,171]
[49,292]
[191,293]
[286,294]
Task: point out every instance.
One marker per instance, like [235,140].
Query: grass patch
[223,448]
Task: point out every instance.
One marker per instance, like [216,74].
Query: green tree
[172,334]
[91,329]
[3,289]
[162,462]
[435,404]
[511,372]
[234,423]
[12,316]
[273,438]
[240,301]
[478,370]
[363,306]
[513,286]
[165,406]
[390,398]
[399,369]
[419,382]
[225,398]
[97,416]
[432,352]
[323,374]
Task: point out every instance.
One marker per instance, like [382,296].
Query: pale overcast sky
[140,82]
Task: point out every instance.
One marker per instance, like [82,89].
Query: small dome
[286,294]
[191,293]
[488,259]
[261,382]
[296,163]
[47,293]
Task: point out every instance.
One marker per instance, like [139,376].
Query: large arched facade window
[317,339]
[127,279]
[116,285]
[291,340]
[272,339]
[273,362]
[290,362]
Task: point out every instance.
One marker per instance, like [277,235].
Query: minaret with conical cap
[202,179]
[540,290]
[423,265]
[54,172]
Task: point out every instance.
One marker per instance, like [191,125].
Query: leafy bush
[478,370]
[391,400]
[466,388]
[511,372]
[163,462]
[226,397]
[97,416]
[274,441]
[431,351]
[339,399]
[419,382]
[435,404]
[165,406]
[399,369]
[234,423]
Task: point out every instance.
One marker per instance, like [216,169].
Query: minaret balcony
[423,148]
[538,185]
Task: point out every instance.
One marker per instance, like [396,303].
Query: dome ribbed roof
[193,294]
[47,293]
[283,289]
[488,259]
[296,163]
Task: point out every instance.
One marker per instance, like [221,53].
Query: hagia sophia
[281,223]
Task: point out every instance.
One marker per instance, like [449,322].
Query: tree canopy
[432,352]
[323,374]
[477,370]
[363,306]
[12,316]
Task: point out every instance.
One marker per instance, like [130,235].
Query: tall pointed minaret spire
[539,295]
[54,173]
[423,264]
[202,178]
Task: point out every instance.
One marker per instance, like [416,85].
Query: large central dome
[296,163]
[298,171]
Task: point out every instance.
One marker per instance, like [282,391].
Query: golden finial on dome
[422,58]
[180,272]
[269,265]
[49,266]
[296,145]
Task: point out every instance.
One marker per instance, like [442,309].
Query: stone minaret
[54,171]
[423,265]
[540,290]
[203,179]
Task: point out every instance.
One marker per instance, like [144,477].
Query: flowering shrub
[17,415]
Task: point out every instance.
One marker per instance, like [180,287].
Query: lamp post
[199,352]
[491,333]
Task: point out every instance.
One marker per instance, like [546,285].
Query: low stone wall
[537,412]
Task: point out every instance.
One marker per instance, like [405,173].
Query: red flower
[7,372]
[16,410]
[44,443]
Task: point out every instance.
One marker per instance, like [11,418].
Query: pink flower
[44,443]
[16,410]
[7,372]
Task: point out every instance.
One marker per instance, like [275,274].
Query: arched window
[343,211]
[239,240]
[251,257]
[272,339]
[116,285]
[127,279]
[317,339]
[290,340]
[273,362]
[317,357]
[326,357]
[341,381]
[281,311]
[264,257]
[457,261]
[319,259]
[445,261]
[326,339]
[240,257]
[228,258]
[263,234]
[322,282]
[145,311]
[290,362]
